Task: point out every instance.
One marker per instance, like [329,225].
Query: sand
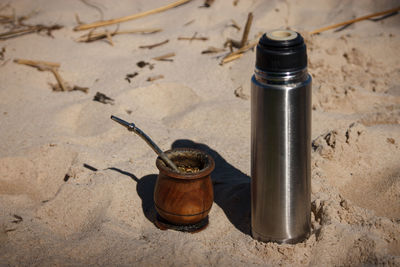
[76,188]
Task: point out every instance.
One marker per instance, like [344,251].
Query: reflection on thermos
[280,139]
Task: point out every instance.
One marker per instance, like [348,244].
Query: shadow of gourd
[231,188]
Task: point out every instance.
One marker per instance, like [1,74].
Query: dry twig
[230,58]
[193,38]
[235,25]
[153,78]
[238,53]
[238,44]
[246,30]
[154,45]
[130,17]
[79,88]
[354,20]
[189,22]
[26,29]
[211,50]
[77,19]
[41,65]
[166,57]
[53,68]
[94,36]
[18,27]
[5,19]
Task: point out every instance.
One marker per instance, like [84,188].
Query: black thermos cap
[281,51]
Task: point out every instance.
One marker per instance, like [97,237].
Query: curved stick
[132,127]
[355,20]
[102,23]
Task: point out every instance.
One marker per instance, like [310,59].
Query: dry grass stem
[189,22]
[153,78]
[212,50]
[79,88]
[239,44]
[53,68]
[165,57]
[354,20]
[94,36]
[57,88]
[77,19]
[30,29]
[154,45]
[232,43]
[230,58]
[60,81]
[238,53]
[235,25]
[130,17]
[229,45]
[246,30]
[37,63]
[244,48]
[109,39]
[18,27]
[193,38]
[142,31]
[5,19]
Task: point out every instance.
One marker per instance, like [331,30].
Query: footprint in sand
[38,175]
[76,208]
[214,117]
[18,177]
[378,191]
[376,186]
[90,119]
[157,101]
[363,163]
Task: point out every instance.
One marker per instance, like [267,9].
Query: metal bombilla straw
[132,128]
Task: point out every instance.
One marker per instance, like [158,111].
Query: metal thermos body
[280,140]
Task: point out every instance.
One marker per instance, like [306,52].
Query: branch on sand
[53,68]
[103,23]
[393,10]
[95,36]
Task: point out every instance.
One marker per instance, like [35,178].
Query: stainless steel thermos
[280,139]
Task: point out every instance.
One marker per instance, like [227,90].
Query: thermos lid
[281,51]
